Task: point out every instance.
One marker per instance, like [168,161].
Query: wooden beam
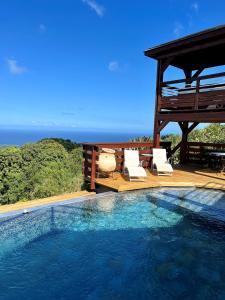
[183,147]
[121,145]
[210,76]
[193,48]
[162,125]
[159,79]
[166,63]
[188,77]
[175,148]
[197,73]
[192,126]
[185,131]
[156,135]
[161,68]
[187,73]
[182,127]
[187,42]
[201,117]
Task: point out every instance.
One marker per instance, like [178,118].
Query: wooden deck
[185,177]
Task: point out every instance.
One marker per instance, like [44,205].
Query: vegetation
[214,133]
[49,167]
[54,166]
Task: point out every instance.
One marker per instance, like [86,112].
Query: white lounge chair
[160,163]
[132,166]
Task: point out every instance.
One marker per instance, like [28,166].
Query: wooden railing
[91,154]
[201,93]
[198,152]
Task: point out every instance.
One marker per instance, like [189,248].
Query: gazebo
[194,99]
[188,101]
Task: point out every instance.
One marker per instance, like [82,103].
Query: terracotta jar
[107,160]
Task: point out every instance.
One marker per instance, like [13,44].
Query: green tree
[12,183]
[214,133]
[49,167]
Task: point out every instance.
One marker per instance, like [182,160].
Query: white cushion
[136,172]
[131,158]
[166,167]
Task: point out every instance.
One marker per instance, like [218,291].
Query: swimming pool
[139,245]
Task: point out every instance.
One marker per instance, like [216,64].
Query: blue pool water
[137,245]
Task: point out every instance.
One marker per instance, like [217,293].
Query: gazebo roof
[200,50]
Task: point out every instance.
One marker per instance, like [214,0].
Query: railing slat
[195,150]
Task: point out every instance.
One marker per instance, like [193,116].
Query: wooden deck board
[185,177]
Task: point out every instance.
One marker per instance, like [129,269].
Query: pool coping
[53,204]
[91,196]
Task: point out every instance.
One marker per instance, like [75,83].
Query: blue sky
[79,64]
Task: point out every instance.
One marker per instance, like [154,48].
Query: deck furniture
[217,161]
[132,166]
[160,163]
[91,152]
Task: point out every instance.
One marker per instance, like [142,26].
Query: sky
[79,64]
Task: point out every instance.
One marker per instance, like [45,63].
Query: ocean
[20,137]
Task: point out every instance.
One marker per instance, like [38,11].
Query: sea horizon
[19,137]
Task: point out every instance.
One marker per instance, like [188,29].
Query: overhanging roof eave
[186,43]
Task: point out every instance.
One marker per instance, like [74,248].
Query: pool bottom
[123,264]
[129,247]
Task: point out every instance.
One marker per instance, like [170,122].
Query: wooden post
[197,93]
[161,68]
[188,77]
[183,148]
[156,139]
[93,168]
[183,145]
[159,79]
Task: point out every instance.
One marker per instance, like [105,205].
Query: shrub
[12,183]
[213,133]
[49,167]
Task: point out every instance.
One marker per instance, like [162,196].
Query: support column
[184,128]
[183,144]
[161,68]
[188,74]
[159,79]
[183,148]
[184,140]
[156,138]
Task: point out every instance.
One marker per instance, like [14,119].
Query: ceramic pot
[107,160]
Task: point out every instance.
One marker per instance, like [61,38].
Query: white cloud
[42,28]
[178,29]
[99,9]
[113,66]
[14,68]
[195,7]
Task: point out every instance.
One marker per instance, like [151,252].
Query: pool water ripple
[137,245]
